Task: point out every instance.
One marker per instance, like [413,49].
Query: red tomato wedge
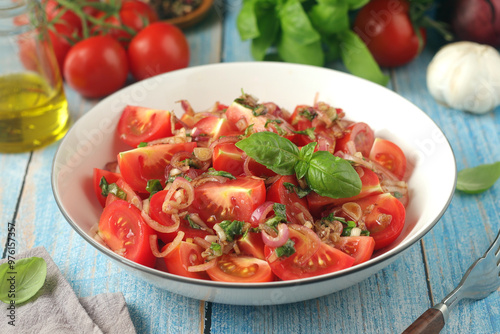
[370,185]
[279,193]
[241,117]
[240,269]
[384,217]
[212,127]
[233,200]
[110,177]
[227,157]
[184,256]
[156,213]
[139,165]
[124,231]
[358,134]
[360,248]
[324,260]
[251,243]
[390,156]
[139,124]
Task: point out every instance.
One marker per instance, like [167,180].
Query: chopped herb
[301,192]
[277,121]
[171,178]
[142,144]
[308,113]
[192,223]
[259,110]
[217,249]
[308,132]
[347,230]
[365,233]
[279,216]
[153,186]
[112,188]
[190,163]
[287,249]
[232,228]
[214,172]
[248,130]
[397,194]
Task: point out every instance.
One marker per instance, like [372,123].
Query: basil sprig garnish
[325,173]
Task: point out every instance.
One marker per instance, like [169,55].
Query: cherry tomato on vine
[96,66]
[158,48]
[387,30]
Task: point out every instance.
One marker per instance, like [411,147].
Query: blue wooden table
[387,302]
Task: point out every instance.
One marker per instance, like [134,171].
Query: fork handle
[430,322]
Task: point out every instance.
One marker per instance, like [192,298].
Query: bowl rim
[398,250]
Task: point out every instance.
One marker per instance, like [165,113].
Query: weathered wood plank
[471,221]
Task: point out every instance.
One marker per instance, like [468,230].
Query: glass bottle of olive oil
[33,106]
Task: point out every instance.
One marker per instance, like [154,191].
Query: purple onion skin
[477,21]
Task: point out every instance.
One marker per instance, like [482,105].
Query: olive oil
[33,113]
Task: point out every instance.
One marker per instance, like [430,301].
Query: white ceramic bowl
[92,142]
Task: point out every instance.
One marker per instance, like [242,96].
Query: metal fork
[480,280]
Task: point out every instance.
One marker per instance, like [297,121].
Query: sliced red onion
[159,227]
[259,215]
[171,246]
[314,245]
[173,203]
[283,234]
[202,267]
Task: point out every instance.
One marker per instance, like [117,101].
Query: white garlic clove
[466,76]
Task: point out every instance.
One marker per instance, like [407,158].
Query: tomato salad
[249,192]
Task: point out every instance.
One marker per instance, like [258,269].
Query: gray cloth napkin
[56,309]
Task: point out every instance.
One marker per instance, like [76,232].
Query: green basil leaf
[246,22]
[21,280]
[276,153]
[329,18]
[301,169]
[296,24]
[299,41]
[269,25]
[358,59]
[332,176]
[356,4]
[308,54]
[478,179]
[307,151]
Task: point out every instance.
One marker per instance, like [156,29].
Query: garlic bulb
[466,76]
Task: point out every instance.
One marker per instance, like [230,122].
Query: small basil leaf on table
[332,176]
[478,179]
[277,153]
[22,279]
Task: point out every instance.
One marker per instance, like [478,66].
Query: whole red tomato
[158,48]
[387,30]
[137,14]
[96,66]
[68,18]
[133,16]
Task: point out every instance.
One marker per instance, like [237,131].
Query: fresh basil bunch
[308,32]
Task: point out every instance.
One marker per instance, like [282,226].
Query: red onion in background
[476,20]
